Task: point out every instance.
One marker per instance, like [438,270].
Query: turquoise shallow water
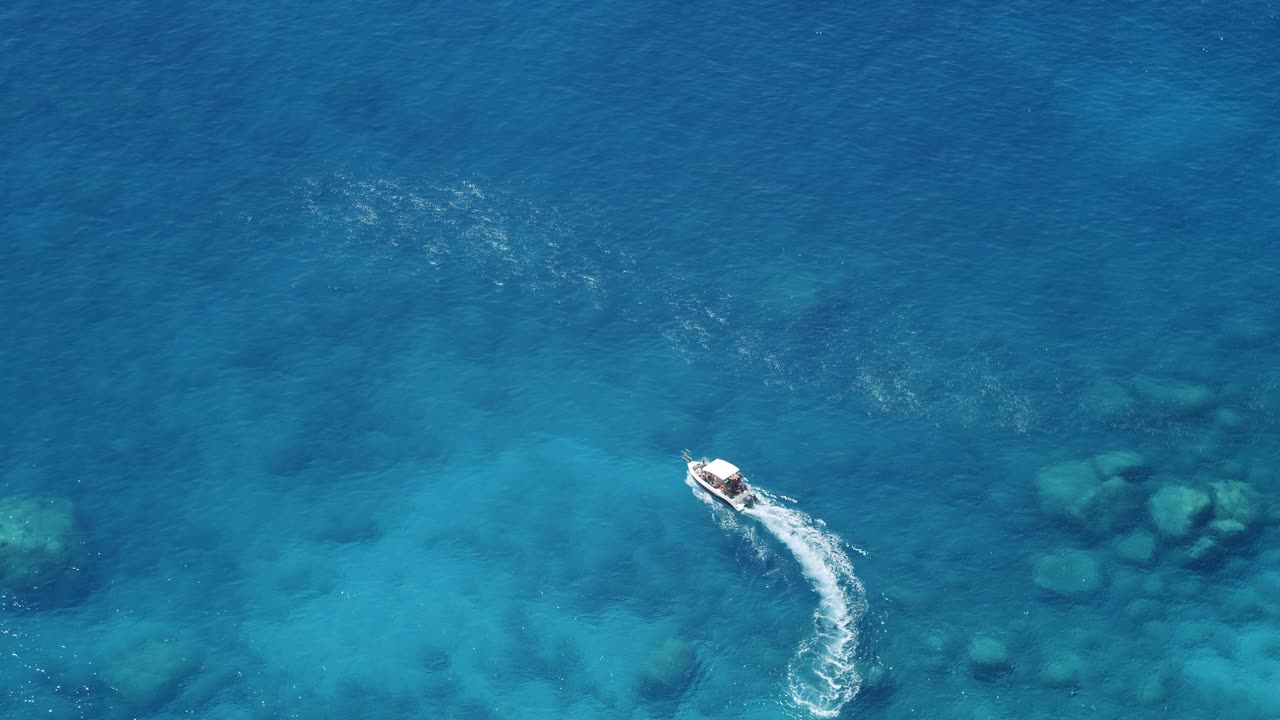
[350,352]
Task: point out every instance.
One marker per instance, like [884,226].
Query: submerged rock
[1228,419]
[1123,463]
[1069,573]
[1175,398]
[988,657]
[939,648]
[668,668]
[1062,672]
[1067,489]
[1204,551]
[1236,501]
[1076,492]
[1239,672]
[1227,529]
[1138,547]
[876,679]
[148,673]
[37,536]
[1177,510]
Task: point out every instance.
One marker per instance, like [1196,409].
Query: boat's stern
[693,465]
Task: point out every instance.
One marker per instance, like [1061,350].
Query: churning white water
[822,676]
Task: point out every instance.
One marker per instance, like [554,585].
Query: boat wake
[822,677]
[724,517]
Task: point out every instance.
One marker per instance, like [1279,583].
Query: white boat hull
[743,501]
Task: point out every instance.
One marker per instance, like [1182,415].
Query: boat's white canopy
[721,468]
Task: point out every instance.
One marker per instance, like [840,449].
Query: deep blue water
[362,341]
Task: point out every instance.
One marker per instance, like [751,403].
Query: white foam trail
[724,517]
[822,676]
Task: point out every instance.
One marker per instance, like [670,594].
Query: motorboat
[723,480]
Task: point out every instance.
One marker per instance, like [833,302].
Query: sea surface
[349,350]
